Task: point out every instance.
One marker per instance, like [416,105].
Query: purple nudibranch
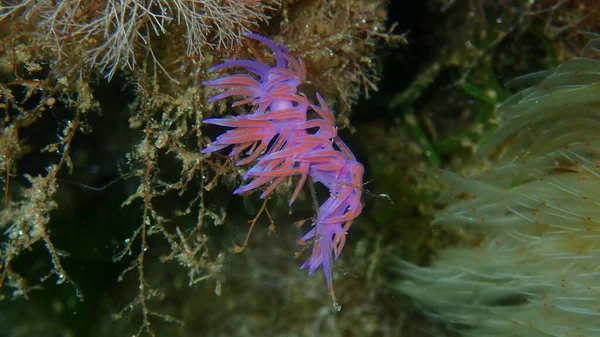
[280,141]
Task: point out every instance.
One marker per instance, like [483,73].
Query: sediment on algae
[102,184]
[537,270]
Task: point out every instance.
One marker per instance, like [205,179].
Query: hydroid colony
[537,271]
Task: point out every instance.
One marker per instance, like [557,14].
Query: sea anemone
[537,270]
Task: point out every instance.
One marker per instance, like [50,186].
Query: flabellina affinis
[279,140]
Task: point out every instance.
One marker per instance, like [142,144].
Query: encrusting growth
[277,136]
